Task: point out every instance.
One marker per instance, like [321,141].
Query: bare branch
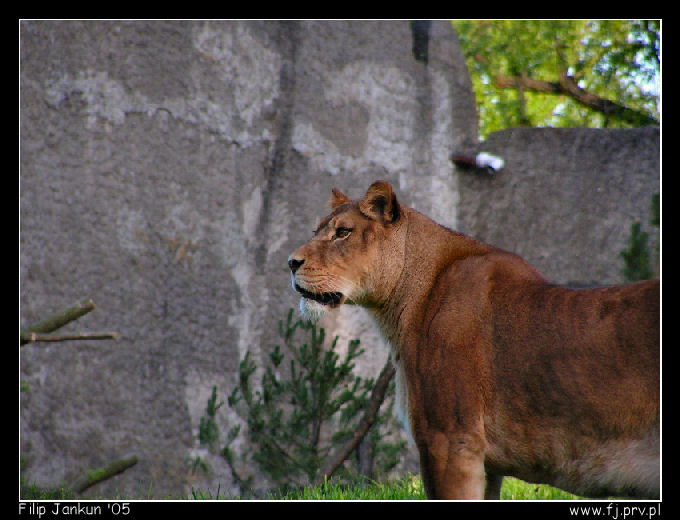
[91,478]
[40,331]
[59,318]
[34,337]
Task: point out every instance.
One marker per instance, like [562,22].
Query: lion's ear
[337,199]
[380,203]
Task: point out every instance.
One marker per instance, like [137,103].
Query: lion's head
[354,255]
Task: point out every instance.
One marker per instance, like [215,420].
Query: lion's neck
[429,249]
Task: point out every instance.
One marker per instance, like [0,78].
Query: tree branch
[59,319]
[34,337]
[605,106]
[91,478]
[40,331]
[535,85]
[567,86]
[377,397]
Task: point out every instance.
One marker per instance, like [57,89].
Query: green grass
[515,489]
[33,492]
[407,488]
[411,488]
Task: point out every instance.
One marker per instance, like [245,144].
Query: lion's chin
[314,310]
[314,305]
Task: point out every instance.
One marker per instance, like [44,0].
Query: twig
[91,478]
[40,331]
[34,337]
[59,319]
[377,397]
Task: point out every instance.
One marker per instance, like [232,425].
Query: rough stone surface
[168,169]
[566,198]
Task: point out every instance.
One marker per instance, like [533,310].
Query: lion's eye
[342,232]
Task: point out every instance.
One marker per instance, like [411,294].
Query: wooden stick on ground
[33,337]
[40,331]
[91,478]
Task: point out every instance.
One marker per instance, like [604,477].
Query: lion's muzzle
[330,299]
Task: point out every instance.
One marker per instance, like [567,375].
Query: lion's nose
[295,264]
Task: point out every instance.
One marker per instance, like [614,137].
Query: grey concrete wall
[566,198]
[167,171]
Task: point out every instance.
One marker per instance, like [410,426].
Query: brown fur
[500,372]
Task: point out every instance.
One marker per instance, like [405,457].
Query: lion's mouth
[333,299]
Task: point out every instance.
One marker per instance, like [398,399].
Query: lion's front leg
[452,466]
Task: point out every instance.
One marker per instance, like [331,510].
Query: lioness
[498,371]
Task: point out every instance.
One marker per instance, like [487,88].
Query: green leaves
[300,405]
[636,257]
[208,433]
[615,60]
